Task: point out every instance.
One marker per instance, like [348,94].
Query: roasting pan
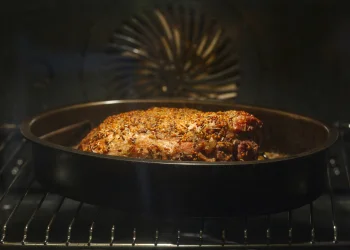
[174,188]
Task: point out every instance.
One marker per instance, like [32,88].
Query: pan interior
[283,133]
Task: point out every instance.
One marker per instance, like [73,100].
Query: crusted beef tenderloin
[177,134]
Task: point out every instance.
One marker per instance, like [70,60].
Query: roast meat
[177,134]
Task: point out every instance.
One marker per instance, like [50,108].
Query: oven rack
[22,184]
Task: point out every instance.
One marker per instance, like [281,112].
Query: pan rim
[26,126]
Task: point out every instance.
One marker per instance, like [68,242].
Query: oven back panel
[292,55]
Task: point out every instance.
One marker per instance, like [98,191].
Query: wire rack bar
[201,231]
[345,157]
[6,140]
[245,231]
[268,229]
[13,181]
[69,231]
[112,236]
[134,237]
[312,223]
[25,231]
[91,230]
[178,237]
[4,228]
[223,237]
[48,228]
[8,126]
[335,228]
[156,237]
[290,227]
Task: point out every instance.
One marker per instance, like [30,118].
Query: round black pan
[174,188]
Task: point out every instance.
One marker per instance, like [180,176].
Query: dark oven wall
[292,55]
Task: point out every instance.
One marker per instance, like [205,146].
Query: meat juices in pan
[177,134]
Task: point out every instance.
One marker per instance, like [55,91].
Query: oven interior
[291,56]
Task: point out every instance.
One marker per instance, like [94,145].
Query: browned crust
[176,134]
